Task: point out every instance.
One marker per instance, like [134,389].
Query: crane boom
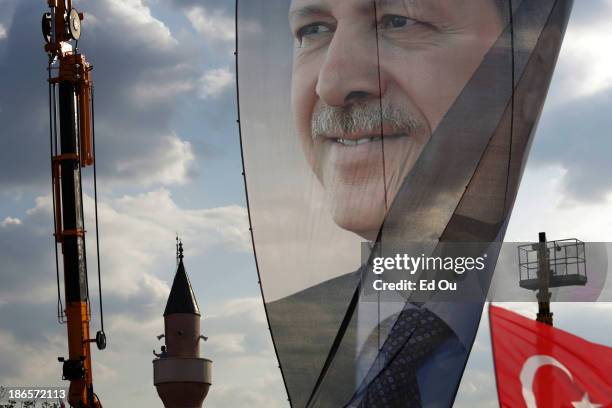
[71,98]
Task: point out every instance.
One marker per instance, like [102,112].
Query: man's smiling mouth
[355,142]
[351,141]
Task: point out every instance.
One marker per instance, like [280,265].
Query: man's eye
[312,29]
[310,32]
[394,21]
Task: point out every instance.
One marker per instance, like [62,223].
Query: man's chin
[361,221]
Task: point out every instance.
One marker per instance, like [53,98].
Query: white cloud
[169,164]
[31,360]
[228,343]
[137,234]
[541,205]
[10,221]
[213,25]
[239,346]
[135,17]
[90,20]
[214,82]
[135,329]
[137,249]
[155,90]
[222,225]
[585,46]
[253,307]
[3,32]
[137,230]
[243,356]
[263,390]
[36,295]
[233,340]
[148,92]
[584,68]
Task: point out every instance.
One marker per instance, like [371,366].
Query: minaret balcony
[172,370]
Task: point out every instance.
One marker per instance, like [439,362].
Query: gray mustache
[364,117]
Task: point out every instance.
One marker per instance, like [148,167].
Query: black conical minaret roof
[182,298]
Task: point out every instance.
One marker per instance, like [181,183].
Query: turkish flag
[538,366]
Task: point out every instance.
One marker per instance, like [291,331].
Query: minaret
[181,377]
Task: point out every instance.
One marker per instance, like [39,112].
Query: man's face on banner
[348,89]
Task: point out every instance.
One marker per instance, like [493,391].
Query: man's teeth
[353,142]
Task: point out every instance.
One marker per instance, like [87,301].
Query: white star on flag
[585,403]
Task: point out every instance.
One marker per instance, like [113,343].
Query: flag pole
[544,314]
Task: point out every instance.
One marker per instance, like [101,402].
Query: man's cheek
[437,89]
[454,69]
[303,99]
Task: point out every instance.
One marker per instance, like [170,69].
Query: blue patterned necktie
[417,332]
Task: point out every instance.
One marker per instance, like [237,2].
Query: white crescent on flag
[521,346]
[531,365]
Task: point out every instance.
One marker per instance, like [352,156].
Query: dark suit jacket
[304,326]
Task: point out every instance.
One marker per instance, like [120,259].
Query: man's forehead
[300,8]
[437,12]
[369,3]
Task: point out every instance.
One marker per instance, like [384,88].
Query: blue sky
[169,162]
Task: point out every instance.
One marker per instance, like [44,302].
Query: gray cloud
[136,232]
[227,6]
[137,253]
[595,10]
[26,252]
[142,75]
[154,97]
[577,136]
[575,128]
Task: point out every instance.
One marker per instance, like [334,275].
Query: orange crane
[72,144]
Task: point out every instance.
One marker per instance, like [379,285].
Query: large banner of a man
[371,124]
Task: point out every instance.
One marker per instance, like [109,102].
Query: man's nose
[350,70]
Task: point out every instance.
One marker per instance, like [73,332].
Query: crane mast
[72,148]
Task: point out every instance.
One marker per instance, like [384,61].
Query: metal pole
[544,314]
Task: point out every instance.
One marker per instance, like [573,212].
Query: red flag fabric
[539,366]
